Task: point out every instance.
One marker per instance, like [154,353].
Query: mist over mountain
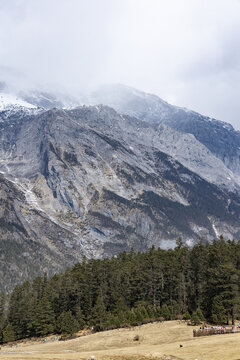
[108,171]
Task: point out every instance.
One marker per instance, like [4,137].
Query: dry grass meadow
[158,341]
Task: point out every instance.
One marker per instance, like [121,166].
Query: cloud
[56,42]
[186,51]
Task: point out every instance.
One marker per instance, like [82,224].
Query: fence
[215,331]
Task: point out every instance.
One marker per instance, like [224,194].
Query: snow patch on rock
[8,101]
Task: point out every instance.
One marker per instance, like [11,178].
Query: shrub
[186,316]
[136,338]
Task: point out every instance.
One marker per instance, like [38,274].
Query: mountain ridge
[89,181]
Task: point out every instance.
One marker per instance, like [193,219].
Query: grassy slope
[156,340]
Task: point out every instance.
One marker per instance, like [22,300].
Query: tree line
[197,283]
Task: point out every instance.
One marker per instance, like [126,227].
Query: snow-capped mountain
[95,181]
[12,106]
[9,101]
[218,138]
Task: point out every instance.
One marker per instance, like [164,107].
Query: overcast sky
[185,51]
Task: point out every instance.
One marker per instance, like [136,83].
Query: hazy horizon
[184,52]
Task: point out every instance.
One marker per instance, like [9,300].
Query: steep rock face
[219,137]
[89,181]
[30,242]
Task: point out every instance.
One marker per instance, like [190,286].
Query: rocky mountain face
[218,137]
[89,181]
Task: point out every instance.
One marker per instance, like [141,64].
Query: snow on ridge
[8,101]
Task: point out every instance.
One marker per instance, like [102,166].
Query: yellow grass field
[158,341]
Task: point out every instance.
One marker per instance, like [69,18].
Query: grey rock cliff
[219,137]
[91,182]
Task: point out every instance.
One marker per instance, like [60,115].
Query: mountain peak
[91,181]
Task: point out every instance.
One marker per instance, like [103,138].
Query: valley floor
[158,341]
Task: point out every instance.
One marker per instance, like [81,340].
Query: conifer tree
[67,324]
[79,316]
[99,315]
[44,320]
[131,288]
[195,319]
[198,263]
[131,317]
[166,313]
[19,309]
[8,333]
[218,312]
[2,313]
[200,314]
